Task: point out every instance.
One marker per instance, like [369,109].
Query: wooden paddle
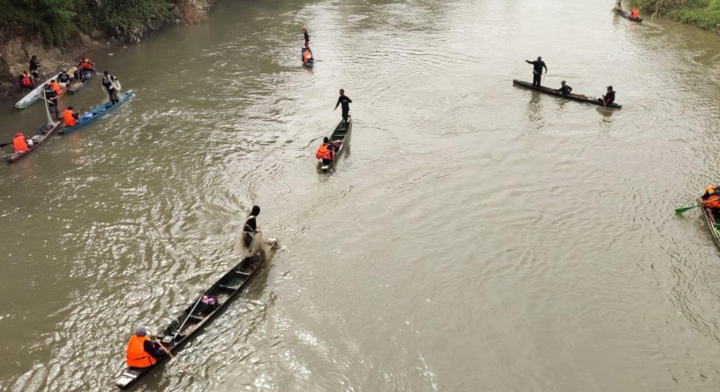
[173,358]
[5,144]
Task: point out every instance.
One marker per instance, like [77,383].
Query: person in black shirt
[63,79]
[52,100]
[537,70]
[609,97]
[345,101]
[564,89]
[109,82]
[307,38]
[34,65]
[248,233]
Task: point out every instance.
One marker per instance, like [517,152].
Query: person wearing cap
[142,352]
[564,89]
[19,143]
[609,97]
[110,83]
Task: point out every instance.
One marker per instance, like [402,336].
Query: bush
[704,14]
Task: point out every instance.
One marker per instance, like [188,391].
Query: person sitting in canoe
[307,57]
[84,70]
[635,14]
[25,81]
[564,89]
[20,144]
[142,352]
[70,117]
[711,200]
[538,66]
[609,97]
[326,152]
[51,97]
[63,79]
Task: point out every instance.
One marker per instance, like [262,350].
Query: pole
[173,358]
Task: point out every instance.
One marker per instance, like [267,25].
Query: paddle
[683,209]
[173,358]
[5,144]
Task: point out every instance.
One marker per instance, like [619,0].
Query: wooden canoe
[626,15]
[97,112]
[41,135]
[710,220]
[340,138]
[194,318]
[572,97]
[77,85]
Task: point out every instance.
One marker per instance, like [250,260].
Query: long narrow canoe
[34,95]
[98,111]
[340,138]
[626,15]
[710,220]
[194,318]
[41,135]
[572,97]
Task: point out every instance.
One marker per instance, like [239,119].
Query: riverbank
[704,14]
[59,37]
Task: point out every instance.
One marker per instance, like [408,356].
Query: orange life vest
[70,120]
[136,355]
[56,87]
[323,152]
[19,144]
[635,13]
[86,65]
[307,56]
[26,81]
[713,199]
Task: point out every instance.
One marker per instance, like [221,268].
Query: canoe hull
[572,97]
[38,139]
[193,319]
[75,87]
[98,112]
[341,135]
[33,96]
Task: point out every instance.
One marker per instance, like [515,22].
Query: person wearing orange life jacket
[19,143]
[141,351]
[635,13]
[307,57]
[56,87]
[26,81]
[69,117]
[84,70]
[711,200]
[326,152]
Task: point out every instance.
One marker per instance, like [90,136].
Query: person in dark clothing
[109,82]
[307,38]
[248,234]
[564,89]
[609,97]
[538,66]
[64,79]
[345,101]
[34,65]
[51,97]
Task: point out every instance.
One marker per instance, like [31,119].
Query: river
[475,237]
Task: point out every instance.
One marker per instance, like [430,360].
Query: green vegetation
[704,14]
[59,20]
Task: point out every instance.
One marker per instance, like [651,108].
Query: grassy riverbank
[704,14]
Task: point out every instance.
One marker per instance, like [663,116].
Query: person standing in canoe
[51,97]
[345,101]
[142,352]
[70,117]
[538,66]
[618,4]
[249,232]
[326,152]
[307,38]
[110,83]
[34,66]
[56,86]
[608,98]
[564,89]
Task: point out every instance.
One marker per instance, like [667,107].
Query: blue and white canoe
[97,112]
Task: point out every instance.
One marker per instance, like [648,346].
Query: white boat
[33,96]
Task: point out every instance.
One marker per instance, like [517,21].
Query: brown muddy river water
[475,237]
